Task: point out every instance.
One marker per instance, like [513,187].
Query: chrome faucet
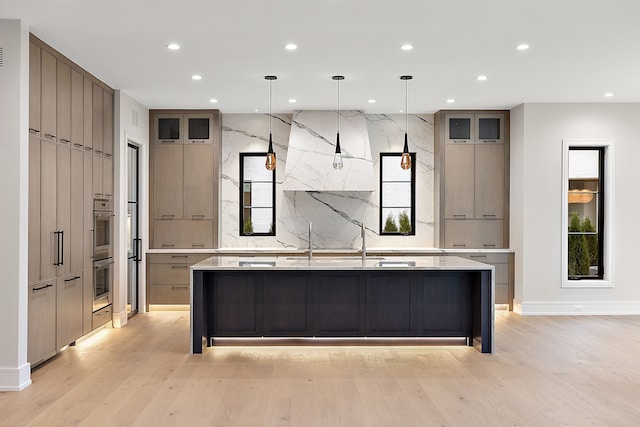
[310,253]
[364,242]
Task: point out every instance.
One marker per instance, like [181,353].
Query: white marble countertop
[341,263]
[347,252]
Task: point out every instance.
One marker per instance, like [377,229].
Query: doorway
[134,243]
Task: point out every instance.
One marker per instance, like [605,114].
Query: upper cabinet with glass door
[463,128]
[172,128]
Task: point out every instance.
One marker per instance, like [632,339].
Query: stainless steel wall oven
[102,253]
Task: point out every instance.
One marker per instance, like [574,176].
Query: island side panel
[483,311]
[198,313]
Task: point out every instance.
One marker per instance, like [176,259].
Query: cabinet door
[446,305]
[63,208]
[76,231]
[195,234]
[236,305]
[389,308]
[88,243]
[286,304]
[68,310]
[48,100]
[489,233]
[168,181]
[339,307]
[458,234]
[88,113]
[459,181]
[489,128]
[64,103]
[107,177]
[98,177]
[41,322]
[198,181]
[489,181]
[34,88]
[199,128]
[459,128]
[77,109]
[107,123]
[97,118]
[48,247]
[168,128]
[34,209]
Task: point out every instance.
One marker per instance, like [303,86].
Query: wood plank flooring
[547,371]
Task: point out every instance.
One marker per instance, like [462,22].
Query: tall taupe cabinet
[472,190]
[60,207]
[184,159]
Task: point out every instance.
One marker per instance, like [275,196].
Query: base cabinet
[42,322]
[168,277]
[354,304]
[69,309]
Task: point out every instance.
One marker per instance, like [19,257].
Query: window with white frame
[586,217]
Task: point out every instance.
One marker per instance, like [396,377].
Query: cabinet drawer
[169,294]
[183,234]
[102,316]
[168,274]
[489,258]
[474,234]
[189,259]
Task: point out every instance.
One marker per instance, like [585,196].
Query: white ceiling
[579,50]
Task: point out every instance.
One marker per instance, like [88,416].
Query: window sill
[587,284]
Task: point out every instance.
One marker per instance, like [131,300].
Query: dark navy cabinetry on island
[365,300]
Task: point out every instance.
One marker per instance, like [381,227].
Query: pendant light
[337,157]
[270,163]
[405,162]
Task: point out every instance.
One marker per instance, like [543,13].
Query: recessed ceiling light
[196,77]
[173,46]
[213,100]
[608,95]
[290,46]
[482,78]
[292,101]
[256,110]
[522,46]
[371,101]
[450,101]
[406,47]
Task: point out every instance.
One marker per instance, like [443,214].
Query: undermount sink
[396,264]
[256,264]
[346,258]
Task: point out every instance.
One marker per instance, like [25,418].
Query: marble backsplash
[336,216]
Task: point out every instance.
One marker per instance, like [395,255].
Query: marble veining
[336,215]
[312,145]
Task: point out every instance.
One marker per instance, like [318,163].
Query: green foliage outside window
[390,225]
[405,223]
[248,227]
[583,249]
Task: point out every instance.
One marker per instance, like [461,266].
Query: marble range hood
[312,145]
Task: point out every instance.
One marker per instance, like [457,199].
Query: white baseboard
[613,308]
[120,319]
[15,379]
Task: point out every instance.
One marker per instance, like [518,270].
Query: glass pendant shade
[405,161]
[270,163]
[337,157]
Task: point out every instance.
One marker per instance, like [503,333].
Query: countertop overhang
[341,263]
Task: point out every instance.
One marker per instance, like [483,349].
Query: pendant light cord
[406,105]
[338,117]
[269,107]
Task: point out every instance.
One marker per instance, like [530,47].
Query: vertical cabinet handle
[139,257]
[62,251]
[59,247]
[93,244]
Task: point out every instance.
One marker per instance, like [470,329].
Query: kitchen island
[418,296]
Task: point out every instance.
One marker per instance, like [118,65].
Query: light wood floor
[547,371]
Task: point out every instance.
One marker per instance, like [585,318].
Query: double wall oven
[102,253]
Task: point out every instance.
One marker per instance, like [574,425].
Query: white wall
[14,184]
[536,197]
[131,126]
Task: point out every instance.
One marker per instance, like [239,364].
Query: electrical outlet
[578,308]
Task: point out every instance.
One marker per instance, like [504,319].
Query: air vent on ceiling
[1,56]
